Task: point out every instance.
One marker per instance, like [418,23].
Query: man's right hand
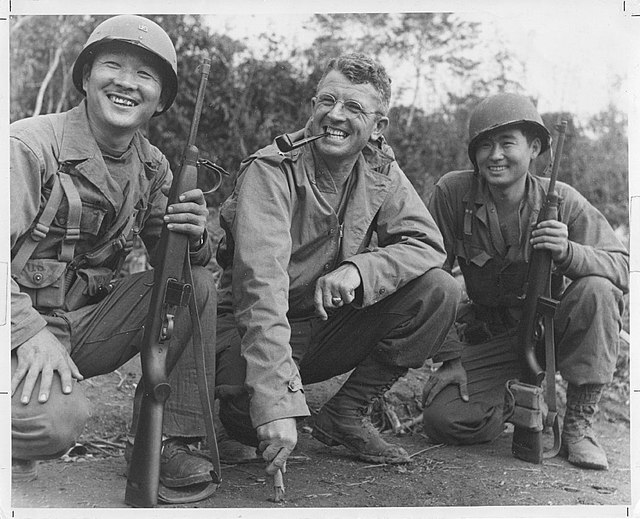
[451,372]
[43,354]
[277,440]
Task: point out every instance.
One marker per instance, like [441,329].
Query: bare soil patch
[93,475]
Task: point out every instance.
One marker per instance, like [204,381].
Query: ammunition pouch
[44,281]
[529,408]
[90,286]
[52,285]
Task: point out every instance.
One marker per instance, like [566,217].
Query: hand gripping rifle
[172,289]
[536,326]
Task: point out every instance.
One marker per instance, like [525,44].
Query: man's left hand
[188,216]
[553,236]
[336,289]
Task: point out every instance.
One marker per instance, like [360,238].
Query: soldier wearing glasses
[331,263]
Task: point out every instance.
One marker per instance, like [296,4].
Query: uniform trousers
[587,325]
[402,330]
[100,338]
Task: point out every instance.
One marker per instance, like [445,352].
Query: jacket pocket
[90,222]
[90,286]
[471,254]
[44,281]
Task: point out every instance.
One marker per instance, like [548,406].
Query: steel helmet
[505,110]
[139,31]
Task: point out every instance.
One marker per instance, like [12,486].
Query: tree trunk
[47,80]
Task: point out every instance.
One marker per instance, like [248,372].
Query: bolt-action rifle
[536,327]
[172,290]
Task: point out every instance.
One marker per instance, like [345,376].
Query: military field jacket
[38,146]
[494,273]
[282,235]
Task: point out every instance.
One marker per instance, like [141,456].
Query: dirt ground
[92,475]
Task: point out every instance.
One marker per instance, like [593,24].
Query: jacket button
[37,277]
[327,266]
[382,290]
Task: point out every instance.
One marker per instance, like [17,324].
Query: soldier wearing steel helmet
[488,220]
[88,182]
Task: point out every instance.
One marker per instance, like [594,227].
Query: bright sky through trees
[572,61]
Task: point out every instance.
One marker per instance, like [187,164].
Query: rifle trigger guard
[167,328]
[214,168]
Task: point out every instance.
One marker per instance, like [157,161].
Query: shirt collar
[76,146]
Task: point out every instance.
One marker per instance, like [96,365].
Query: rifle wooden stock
[169,294]
[527,443]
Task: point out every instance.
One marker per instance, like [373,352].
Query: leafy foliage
[252,96]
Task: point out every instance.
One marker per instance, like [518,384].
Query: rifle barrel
[195,122]
[562,128]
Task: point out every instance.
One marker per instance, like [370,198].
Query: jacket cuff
[372,289]
[446,356]
[202,254]
[564,266]
[27,329]
[289,404]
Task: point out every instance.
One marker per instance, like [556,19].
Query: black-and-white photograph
[320,260]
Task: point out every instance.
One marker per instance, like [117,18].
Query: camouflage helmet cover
[139,31]
[505,110]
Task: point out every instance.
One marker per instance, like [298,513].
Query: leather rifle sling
[204,358]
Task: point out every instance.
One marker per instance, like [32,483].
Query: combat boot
[345,418]
[579,444]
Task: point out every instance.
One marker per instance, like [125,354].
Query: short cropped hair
[360,68]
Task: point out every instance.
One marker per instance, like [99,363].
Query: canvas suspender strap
[72,233]
[40,230]
[63,185]
[116,236]
[205,359]
[469,208]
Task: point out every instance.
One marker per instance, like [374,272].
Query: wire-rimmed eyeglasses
[351,107]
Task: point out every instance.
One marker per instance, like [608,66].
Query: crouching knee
[234,415]
[43,431]
[441,288]
[462,424]
[593,295]
[204,283]
[439,425]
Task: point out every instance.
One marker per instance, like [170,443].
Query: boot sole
[333,441]
[564,453]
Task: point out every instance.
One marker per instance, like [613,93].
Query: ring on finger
[336,300]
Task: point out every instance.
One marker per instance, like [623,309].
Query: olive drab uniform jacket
[495,272]
[281,235]
[87,232]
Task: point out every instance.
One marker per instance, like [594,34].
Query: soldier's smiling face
[350,112]
[123,86]
[504,155]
